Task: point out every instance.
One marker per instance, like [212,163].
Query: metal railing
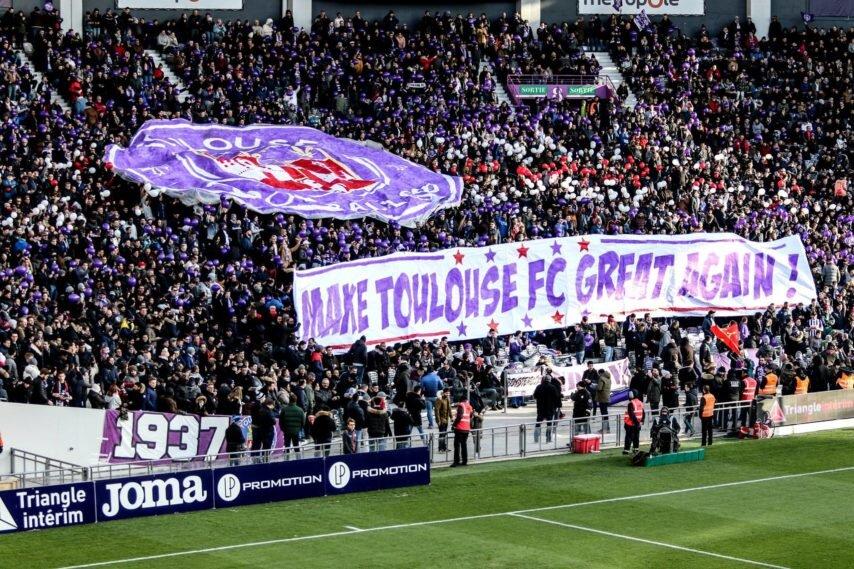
[493,443]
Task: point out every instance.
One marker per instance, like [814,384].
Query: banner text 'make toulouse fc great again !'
[551,283]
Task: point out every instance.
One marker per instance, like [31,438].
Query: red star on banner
[557,317]
[493,325]
[459,257]
[523,251]
[583,245]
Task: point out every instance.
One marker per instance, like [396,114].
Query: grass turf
[794,522]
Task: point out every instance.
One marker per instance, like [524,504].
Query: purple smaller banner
[164,437]
[282,169]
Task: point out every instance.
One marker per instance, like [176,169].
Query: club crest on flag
[287,169]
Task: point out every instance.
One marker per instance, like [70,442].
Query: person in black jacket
[349,440]
[548,402]
[378,426]
[403,424]
[357,355]
[264,429]
[235,441]
[581,407]
[357,411]
[322,429]
[415,404]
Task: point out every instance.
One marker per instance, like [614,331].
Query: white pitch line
[451,520]
[353,528]
[649,541]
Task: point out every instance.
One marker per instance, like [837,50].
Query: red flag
[729,336]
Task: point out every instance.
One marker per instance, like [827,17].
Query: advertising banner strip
[652,7]
[808,408]
[175,492]
[47,507]
[121,498]
[281,169]
[273,482]
[377,470]
[465,292]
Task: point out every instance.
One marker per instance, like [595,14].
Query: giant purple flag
[289,169]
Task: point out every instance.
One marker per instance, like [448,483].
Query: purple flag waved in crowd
[282,169]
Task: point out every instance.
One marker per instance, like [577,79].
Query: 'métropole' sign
[652,7]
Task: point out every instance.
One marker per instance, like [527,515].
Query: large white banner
[181,4]
[652,7]
[550,283]
[523,383]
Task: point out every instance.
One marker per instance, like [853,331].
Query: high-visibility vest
[749,391]
[770,385]
[846,381]
[802,385]
[635,407]
[708,405]
[465,420]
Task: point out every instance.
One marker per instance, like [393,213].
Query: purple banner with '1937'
[287,169]
[551,283]
[150,436]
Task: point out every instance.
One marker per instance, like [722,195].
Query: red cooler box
[585,444]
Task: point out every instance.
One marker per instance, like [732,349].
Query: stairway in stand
[55,97]
[168,73]
[500,92]
[610,69]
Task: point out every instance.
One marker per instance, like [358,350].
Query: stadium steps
[610,69]
[168,73]
[500,91]
[55,97]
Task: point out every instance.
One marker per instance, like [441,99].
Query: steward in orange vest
[802,385]
[846,380]
[707,415]
[632,421]
[462,427]
[769,386]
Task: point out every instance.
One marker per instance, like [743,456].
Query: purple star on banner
[527,321]
[490,256]
[555,248]
[462,328]
[585,312]
[617,5]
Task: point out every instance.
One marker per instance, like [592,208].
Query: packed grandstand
[117,296]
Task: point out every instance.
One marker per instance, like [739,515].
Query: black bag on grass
[639,459]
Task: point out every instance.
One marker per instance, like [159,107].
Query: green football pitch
[785,502]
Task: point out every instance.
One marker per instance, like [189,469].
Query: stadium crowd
[114,295]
